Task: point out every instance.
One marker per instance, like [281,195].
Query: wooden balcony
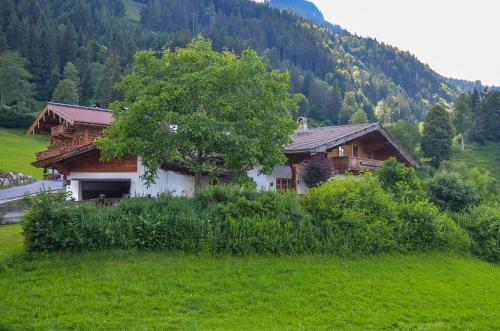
[343,164]
[62,130]
[51,152]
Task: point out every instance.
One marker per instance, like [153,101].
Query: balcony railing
[61,130]
[49,153]
[342,164]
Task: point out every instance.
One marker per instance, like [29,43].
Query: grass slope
[17,151]
[137,290]
[485,156]
[11,240]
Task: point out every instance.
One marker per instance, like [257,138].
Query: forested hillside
[339,73]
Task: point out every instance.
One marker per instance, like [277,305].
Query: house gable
[325,139]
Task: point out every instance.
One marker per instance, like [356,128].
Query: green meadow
[17,151]
[132,290]
[486,156]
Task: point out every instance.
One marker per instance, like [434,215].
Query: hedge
[341,217]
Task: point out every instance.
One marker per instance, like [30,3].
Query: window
[283,184]
[355,150]
[341,151]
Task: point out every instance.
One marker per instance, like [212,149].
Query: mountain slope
[330,69]
[373,71]
[305,9]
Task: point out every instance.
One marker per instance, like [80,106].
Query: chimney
[302,125]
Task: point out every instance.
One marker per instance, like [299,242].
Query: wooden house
[73,153]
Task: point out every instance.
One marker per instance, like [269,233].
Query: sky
[456,38]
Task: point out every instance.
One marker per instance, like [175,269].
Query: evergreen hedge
[348,216]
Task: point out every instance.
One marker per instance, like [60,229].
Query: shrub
[42,220]
[219,220]
[318,170]
[481,179]
[450,192]
[233,202]
[399,179]
[11,117]
[354,215]
[425,228]
[247,221]
[483,225]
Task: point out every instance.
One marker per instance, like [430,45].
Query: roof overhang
[375,127]
[70,154]
[51,111]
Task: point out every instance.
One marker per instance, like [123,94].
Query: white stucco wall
[263,181]
[166,182]
[173,182]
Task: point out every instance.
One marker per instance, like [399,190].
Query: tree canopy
[100,38]
[438,134]
[15,84]
[203,110]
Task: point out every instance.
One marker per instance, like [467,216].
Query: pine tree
[334,105]
[66,92]
[438,134]
[71,73]
[462,117]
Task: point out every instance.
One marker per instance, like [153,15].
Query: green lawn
[143,291]
[10,240]
[17,151]
[485,156]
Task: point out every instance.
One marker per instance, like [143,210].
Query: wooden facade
[350,148]
[73,131]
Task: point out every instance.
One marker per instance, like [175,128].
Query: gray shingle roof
[313,138]
[324,138]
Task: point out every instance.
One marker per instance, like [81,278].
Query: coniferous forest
[74,51]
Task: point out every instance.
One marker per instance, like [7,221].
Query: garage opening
[109,189]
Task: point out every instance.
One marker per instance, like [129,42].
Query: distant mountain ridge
[339,73]
[310,11]
[305,9]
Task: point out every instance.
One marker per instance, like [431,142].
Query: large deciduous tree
[438,134]
[14,79]
[203,110]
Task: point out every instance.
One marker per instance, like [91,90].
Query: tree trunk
[462,141]
[2,99]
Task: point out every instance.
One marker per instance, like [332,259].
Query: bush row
[483,226]
[344,216]
[13,118]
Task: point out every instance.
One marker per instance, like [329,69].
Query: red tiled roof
[82,114]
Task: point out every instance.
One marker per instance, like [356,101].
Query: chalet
[73,153]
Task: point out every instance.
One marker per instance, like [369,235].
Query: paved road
[12,217]
[11,193]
